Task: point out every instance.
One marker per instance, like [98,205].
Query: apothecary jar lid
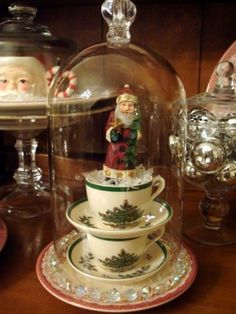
[21,35]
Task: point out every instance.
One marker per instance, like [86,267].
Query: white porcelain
[111,203]
[82,218]
[80,258]
[119,255]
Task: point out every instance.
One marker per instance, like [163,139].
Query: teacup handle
[161,184]
[153,237]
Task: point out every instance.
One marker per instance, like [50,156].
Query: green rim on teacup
[103,187]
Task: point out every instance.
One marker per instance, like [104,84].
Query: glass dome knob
[21,11]
[224,82]
[119,15]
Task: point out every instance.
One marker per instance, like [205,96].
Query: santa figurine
[22,78]
[123,133]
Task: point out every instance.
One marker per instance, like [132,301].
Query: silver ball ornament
[175,146]
[193,174]
[227,142]
[227,173]
[201,124]
[228,124]
[208,156]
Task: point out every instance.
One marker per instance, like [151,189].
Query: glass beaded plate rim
[46,279]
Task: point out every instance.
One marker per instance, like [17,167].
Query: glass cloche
[29,58]
[117,116]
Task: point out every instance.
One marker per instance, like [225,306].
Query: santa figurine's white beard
[125,119]
[14,95]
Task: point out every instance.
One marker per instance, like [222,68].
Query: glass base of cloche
[24,202]
[59,279]
[195,229]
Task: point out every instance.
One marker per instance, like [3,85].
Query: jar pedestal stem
[213,227]
[29,196]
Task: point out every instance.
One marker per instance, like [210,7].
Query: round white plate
[82,260]
[81,217]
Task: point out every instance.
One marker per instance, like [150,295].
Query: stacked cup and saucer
[122,221]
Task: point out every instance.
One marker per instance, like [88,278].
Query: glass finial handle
[21,11]
[224,78]
[119,15]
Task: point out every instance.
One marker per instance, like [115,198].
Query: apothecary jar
[29,57]
[117,116]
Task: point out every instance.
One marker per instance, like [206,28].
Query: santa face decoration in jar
[22,78]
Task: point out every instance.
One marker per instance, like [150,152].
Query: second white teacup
[119,255]
[121,206]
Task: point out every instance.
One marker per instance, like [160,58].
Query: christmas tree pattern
[121,216]
[86,220]
[122,262]
[87,261]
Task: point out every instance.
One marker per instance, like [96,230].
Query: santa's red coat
[117,147]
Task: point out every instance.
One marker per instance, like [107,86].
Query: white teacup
[118,255]
[120,206]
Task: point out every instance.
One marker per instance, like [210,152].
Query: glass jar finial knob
[21,11]
[119,15]
[224,82]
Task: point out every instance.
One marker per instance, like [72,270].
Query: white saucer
[81,216]
[82,260]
